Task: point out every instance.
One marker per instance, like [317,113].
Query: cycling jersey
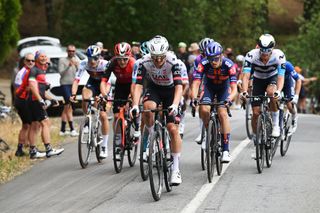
[38,75]
[216,76]
[96,73]
[275,65]
[21,83]
[135,70]
[290,71]
[124,75]
[168,75]
[289,84]
[196,63]
[184,73]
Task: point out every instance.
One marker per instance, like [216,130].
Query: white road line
[206,188]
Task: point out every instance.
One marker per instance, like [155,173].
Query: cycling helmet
[266,41]
[122,49]
[158,45]
[93,51]
[213,49]
[240,58]
[144,48]
[204,42]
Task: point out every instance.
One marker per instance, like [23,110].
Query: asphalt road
[290,185]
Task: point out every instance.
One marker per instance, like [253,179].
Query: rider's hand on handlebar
[244,95]
[194,102]
[173,110]
[72,99]
[277,94]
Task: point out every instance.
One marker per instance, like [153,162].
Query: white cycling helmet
[158,45]
[240,58]
[266,41]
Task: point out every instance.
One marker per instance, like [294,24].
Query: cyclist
[202,45]
[268,67]
[97,84]
[121,65]
[220,80]
[291,90]
[164,85]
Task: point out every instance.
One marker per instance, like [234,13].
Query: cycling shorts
[260,87]
[23,108]
[221,91]
[121,91]
[37,111]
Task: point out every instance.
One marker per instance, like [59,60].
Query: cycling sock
[105,141]
[201,124]
[20,146]
[63,126]
[275,118]
[175,165]
[225,141]
[71,125]
[294,116]
[48,146]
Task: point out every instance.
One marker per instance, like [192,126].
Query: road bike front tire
[210,152]
[84,143]
[144,168]
[118,148]
[260,148]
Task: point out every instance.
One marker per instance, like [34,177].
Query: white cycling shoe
[275,131]
[176,178]
[226,157]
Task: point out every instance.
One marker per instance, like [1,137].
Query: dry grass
[12,166]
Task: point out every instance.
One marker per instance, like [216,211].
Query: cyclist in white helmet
[164,85]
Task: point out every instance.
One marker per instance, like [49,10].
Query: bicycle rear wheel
[210,152]
[260,149]
[284,145]
[144,168]
[98,138]
[248,119]
[155,166]
[118,148]
[203,152]
[84,144]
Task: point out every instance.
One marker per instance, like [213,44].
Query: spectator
[135,49]
[302,102]
[21,101]
[229,53]
[182,54]
[67,69]
[105,54]
[38,86]
[194,51]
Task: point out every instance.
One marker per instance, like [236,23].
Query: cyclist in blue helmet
[220,81]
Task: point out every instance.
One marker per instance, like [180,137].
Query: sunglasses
[214,59]
[71,51]
[94,58]
[156,57]
[122,59]
[266,50]
[30,60]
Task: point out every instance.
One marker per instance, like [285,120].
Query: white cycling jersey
[168,75]
[95,73]
[184,73]
[275,65]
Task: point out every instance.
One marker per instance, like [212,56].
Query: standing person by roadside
[135,49]
[21,101]
[38,85]
[67,68]
[182,54]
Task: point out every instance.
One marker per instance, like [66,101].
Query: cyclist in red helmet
[121,65]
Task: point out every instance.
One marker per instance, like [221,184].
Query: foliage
[10,11]
[116,20]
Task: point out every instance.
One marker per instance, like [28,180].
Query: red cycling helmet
[122,49]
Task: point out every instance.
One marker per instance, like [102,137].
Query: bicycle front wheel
[203,152]
[84,144]
[155,162]
[248,119]
[210,152]
[98,138]
[167,162]
[132,148]
[118,148]
[260,148]
[144,168]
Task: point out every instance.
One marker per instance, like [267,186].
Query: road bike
[90,137]
[159,154]
[285,125]
[213,151]
[123,138]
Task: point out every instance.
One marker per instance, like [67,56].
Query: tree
[10,11]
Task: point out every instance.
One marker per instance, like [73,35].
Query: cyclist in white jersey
[268,67]
[164,85]
[97,84]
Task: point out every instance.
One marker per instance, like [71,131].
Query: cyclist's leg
[150,101]
[258,88]
[272,87]
[88,91]
[204,111]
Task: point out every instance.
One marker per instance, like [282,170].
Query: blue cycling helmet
[213,49]
[93,51]
[144,48]
[204,43]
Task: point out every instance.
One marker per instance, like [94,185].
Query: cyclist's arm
[246,76]
[197,78]
[177,80]
[298,86]
[233,83]
[33,84]
[104,87]
[281,73]
[138,86]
